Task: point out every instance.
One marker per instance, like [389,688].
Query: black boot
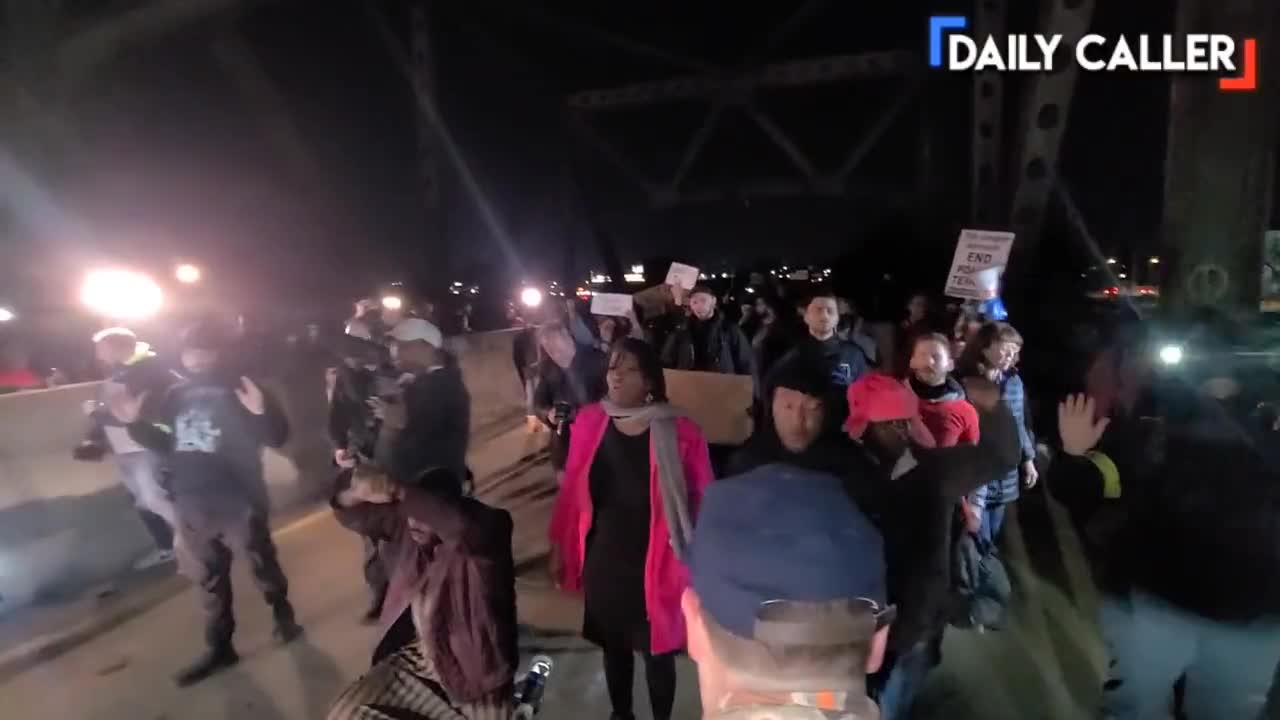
[287,628]
[215,659]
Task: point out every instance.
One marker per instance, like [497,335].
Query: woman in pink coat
[634,478]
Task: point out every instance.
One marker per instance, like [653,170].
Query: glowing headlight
[1171,354]
[392,302]
[7,315]
[121,294]
[531,297]
[187,274]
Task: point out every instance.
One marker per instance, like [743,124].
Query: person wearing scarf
[634,478]
[945,411]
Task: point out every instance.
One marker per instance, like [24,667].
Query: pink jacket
[665,576]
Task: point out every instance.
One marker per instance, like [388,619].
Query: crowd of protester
[810,572]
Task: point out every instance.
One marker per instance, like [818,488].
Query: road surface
[1045,665]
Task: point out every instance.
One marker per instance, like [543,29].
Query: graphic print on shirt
[842,374]
[194,431]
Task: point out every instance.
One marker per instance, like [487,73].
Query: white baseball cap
[122,332]
[417,329]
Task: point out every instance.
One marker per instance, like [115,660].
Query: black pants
[157,528]
[205,536]
[375,571]
[659,673]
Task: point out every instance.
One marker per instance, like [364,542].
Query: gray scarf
[661,418]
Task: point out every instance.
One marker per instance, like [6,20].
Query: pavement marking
[37,650]
[305,521]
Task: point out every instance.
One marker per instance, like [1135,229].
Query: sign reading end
[980,258]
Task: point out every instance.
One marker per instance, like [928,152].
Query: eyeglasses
[836,622]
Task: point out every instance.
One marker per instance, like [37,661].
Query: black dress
[613,572]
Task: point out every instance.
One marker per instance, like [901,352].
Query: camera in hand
[563,410]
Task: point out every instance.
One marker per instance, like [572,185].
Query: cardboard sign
[719,403]
[614,304]
[685,276]
[654,301]
[980,258]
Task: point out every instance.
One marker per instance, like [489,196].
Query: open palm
[1078,429]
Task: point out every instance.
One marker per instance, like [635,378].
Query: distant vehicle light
[1171,354]
[531,297]
[7,315]
[187,274]
[121,294]
[392,302]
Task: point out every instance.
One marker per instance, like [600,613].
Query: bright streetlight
[531,297]
[7,315]
[1171,354]
[121,294]
[187,274]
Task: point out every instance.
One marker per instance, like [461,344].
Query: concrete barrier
[66,526]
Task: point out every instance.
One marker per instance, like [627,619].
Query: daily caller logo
[1218,54]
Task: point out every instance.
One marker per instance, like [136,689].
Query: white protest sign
[614,304]
[978,264]
[685,276]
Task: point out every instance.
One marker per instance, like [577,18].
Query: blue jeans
[992,524]
[1229,667]
[906,678]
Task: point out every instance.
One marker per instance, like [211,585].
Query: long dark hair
[649,362]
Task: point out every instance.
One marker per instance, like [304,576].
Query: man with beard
[705,341]
[212,428]
[949,417]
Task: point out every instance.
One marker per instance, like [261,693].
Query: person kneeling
[448,648]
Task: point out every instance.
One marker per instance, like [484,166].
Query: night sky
[276,144]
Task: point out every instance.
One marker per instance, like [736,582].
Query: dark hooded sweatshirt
[844,363]
[914,510]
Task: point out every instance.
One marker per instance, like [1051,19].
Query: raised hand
[250,396]
[125,407]
[1077,428]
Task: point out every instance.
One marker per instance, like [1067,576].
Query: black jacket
[916,512]
[1197,522]
[714,345]
[844,361]
[582,383]
[351,423]
[438,428]
[214,445]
